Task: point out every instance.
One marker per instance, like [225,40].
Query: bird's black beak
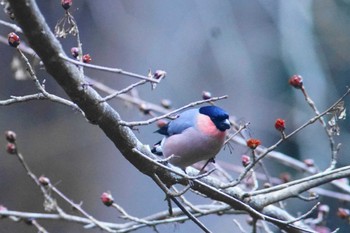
[224,125]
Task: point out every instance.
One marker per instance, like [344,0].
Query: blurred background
[245,49]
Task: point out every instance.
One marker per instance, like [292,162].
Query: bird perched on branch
[195,135]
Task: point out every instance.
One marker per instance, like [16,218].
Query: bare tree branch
[71,79]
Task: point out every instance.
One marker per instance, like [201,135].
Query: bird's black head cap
[217,115]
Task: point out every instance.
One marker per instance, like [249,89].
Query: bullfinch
[195,135]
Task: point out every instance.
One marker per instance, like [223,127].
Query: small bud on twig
[285,177]
[206,95]
[245,160]
[75,52]
[166,103]
[44,181]
[159,74]
[10,136]
[144,109]
[296,81]
[87,58]
[280,124]
[324,209]
[13,39]
[309,162]
[253,143]
[66,4]
[11,148]
[107,198]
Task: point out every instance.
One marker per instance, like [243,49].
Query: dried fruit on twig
[280,124]
[13,39]
[107,198]
[296,81]
[66,4]
[11,148]
[87,58]
[253,143]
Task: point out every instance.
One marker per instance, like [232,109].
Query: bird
[195,135]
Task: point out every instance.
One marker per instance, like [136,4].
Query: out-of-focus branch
[11,25]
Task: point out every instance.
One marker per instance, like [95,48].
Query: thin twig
[79,208]
[154,219]
[334,149]
[304,215]
[188,213]
[273,147]
[149,121]
[235,221]
[109,69]
[241,127]
[11,25]
[125,215]
[40,228]
[111,96]
[311,198]
[125,97]
[40,87]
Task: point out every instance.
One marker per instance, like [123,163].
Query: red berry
[13,39]
[206,95]
[280,124]
[11,148]
[87,58]
[10,136]
[253,143]
[107,199]
[296,81]
[66,4]
[343,213]
[75,52]
[245,160]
